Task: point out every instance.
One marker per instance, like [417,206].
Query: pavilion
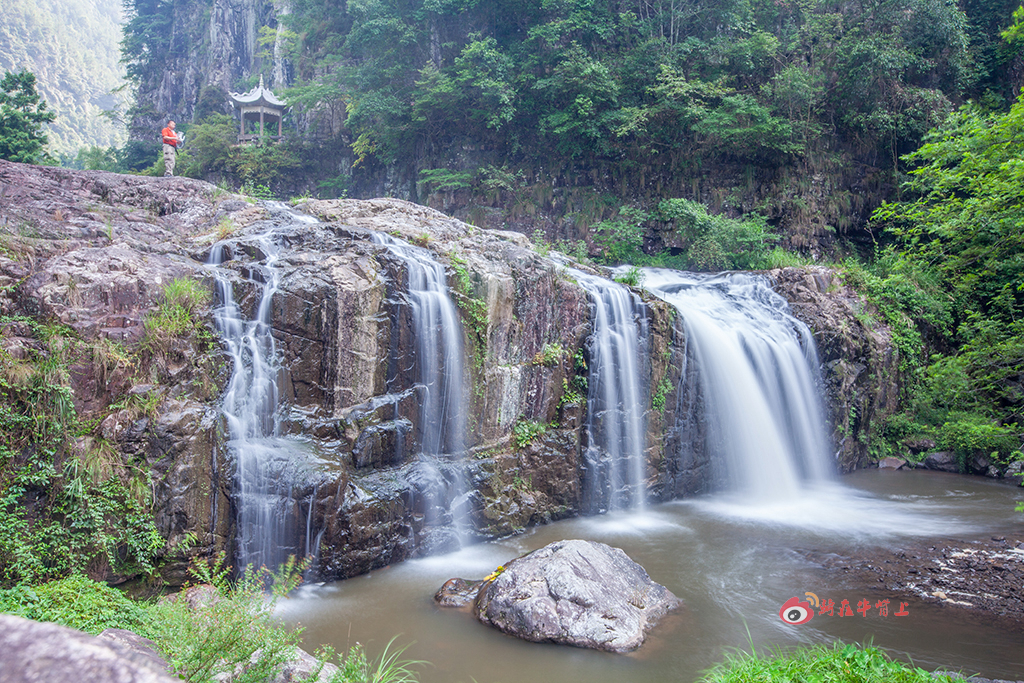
[259,104]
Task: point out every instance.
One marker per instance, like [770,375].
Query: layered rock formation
[94,251]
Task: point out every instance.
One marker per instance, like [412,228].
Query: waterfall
[440,375]
[758,373]
[614,430]
[270,522]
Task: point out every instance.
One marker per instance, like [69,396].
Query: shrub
[236,628]
[549,356]
[526,431]
[634,277]
[76,602]
[967,434]
[176,316]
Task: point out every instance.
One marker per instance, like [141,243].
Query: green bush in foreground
[835,663]
[77,602]
[232,631]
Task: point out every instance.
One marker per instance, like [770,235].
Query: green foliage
[444,180]
[176,316]
[835,663]
[234,627]
[76,602]
[550,355]
[641,100]
[954,281]
[97,159]
[782,258]
[570,395]
[633,277]
[716,242]
[621,240]
[210,146]
[660,398]
[967,211]
[254,192]
[473,308]
[22,115]
[229,630]
[540,242]
[262,162]
[64,506]
[234,630]
[525,431]
[910,300]
[147,37]
[967,434]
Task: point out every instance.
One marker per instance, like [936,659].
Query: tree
[22,115]
[961,222]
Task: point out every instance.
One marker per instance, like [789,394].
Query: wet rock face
[578,593]
[97,249]
[31,651]
[859,363]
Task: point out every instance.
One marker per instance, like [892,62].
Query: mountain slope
[73,49]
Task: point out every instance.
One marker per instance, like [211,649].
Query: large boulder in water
[578,593]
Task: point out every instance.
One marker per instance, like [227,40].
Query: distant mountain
[73,49]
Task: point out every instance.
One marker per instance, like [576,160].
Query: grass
[233,631]
[835,663]
[177,315]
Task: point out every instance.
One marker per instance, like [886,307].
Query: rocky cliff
[212,49]
[859,364]
[95,251]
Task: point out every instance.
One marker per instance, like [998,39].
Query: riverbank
[983,574]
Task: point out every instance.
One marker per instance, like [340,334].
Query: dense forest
[558,114]
[72,50]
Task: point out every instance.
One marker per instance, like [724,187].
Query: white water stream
[440,374]
[758,370]
[270,522]
[614,453]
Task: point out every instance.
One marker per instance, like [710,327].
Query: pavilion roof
[258,95]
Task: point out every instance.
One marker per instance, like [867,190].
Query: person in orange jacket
[171,141]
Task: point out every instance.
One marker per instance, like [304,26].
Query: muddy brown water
[733,564]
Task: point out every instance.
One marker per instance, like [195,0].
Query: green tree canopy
[22,115]
[960,227]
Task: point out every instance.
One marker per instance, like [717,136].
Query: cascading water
[440,375]
[270,522]
[758,373]
[614,453]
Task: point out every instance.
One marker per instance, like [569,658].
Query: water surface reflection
[732,564]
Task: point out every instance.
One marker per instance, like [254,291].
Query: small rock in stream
[457,593]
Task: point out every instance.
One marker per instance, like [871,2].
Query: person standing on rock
[171,141]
